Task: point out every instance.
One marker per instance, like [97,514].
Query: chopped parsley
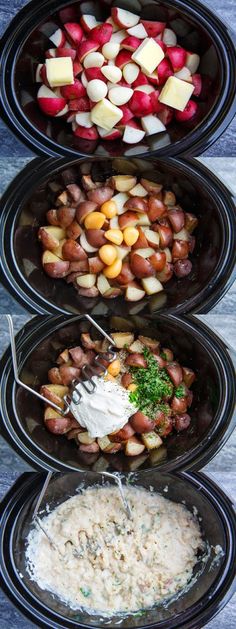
[86,592]
[180,391]
[153,386]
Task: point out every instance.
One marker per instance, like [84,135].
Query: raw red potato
[147,79]
[144,430]
[106,240]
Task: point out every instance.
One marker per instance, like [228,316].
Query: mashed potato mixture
[104,561]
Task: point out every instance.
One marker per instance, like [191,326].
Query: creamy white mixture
[104,411]
[108,563]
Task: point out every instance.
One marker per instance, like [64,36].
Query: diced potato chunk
[133,447]
[84,437]
[136,346]
[122,338]
[151,440]
[151,285]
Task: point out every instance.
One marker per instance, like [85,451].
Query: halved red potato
[68,374]
[54,393]
[134,292]
[176,218]
[136,360]
[52,218]
[142,242]
[175,372]
[74,230]
[64,357]
[73,251]
[96,237]
[122,183]
[50,236]
[136,204]
[84,208]
[53,266]
[66,215]
[126,380]
[156,209]
[188,376]
[180,250]
[100,195]
[129,219]
[151,186]
[121,339]
[151,440]
[123,434]
[126,275]
[54,376]
[179,405]
[90,448]
[141,423]
[158,260]
[140,266]
[182,422]
[152,344]
[95,265]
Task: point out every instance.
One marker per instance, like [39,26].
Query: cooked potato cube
[84,437]
[122,338]
[151,440]
[133,447]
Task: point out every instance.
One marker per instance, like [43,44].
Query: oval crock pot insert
[198,30]
[213,409]
[32,193]
[214,581]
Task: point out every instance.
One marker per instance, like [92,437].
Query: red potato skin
[189,376]
[126,276]
[54,376]
[141,423]
[141,267]
[169,356]
[95,265]
[73,231]
[160,361]
[191,222]
[182,268]
[79,266]
[136,360]
[72,251]
[84,208]
[175,372]
[91,448]
[156,209]
[182,422]
[166,274]
[68,374]
[179,405]
[126,380]
[122,435]
[100,195]
[180,250]
[166,236]
[158,260]
[87,342]
[176,218]
[52,218]
[58,425]
[96,237]
[88,292]
[75,192]
[129,219]
[66,216]
[136,203]
[57,269]
[164,424]
[115,448]
[142,242]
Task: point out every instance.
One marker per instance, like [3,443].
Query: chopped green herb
[180,391]
[86,592]
[153,385]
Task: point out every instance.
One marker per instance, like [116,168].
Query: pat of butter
[105,114]
[59,71]
[176,93]
[148,55]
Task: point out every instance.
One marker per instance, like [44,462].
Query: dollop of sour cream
[104,411]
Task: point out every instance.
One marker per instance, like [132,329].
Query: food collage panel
[117,314]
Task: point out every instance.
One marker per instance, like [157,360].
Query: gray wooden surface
[224,168]
[226,145]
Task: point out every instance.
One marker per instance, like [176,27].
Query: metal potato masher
[87,372]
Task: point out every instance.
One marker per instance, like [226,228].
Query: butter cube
[105,114]
[148,55]
[59,71]
[176,93]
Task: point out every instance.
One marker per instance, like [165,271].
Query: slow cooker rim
[27,295]
[223,586]
[214,122]
[193,459]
